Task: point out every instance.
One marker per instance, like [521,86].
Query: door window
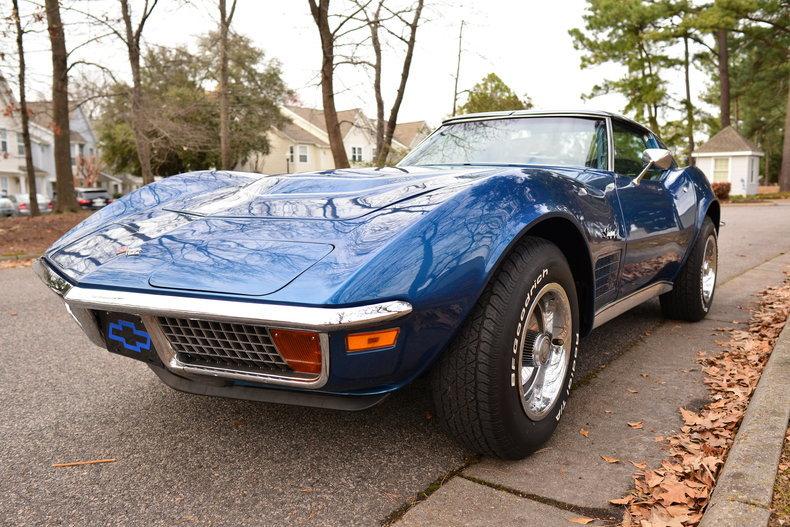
[629,144]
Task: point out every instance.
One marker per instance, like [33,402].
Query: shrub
[722,190]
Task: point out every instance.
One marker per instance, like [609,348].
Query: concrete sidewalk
[568,478]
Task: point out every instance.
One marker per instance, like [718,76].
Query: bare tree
[66,200]
[381,21]
[329,36]
[132,37]
[687,102]
[31,172]
[384,144]
[225,19]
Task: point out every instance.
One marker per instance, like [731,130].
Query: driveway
[190,460]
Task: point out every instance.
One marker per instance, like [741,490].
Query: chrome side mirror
[655,157]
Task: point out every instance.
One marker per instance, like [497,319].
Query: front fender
[443,262]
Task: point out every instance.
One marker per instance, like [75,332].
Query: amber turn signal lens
[372,340]
[300,349]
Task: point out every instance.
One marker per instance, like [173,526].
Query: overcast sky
[525,42]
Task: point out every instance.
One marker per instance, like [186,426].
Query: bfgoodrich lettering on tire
[502,386]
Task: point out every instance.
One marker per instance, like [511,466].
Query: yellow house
[302,144]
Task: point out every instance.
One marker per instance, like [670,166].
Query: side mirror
[655,157]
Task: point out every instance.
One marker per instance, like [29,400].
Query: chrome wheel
[710,260]
[545,350]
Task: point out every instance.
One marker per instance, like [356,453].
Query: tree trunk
[376,43]
[393,120]
[784,171]
[320,14]
[224,97]
[138,122]
[31,173]
[724,77]
[689,105]
[66,200]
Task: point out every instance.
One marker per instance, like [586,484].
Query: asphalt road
[191,460]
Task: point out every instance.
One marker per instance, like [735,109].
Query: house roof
[41,114]
[297,134]
[727,140]
[346,118]
[405,133]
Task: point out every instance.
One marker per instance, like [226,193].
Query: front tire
[692,292]
[502,386]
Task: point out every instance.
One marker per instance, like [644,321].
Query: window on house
[356,154]
[81,148]
[291,154]
[3,140]
[755,170]
[721,169]
[303,153]
[20,144]
[4,185]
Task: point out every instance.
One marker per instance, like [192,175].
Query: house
[302,144]
[730,157]
[13,175]
[409,135]
[84,148]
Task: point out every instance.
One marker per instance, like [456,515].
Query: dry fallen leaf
[631,390]
[675,493]
[610,459]
[581,520]
[584,432]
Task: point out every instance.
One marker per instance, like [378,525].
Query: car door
[654,245]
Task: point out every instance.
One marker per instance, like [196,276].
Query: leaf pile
[676,493]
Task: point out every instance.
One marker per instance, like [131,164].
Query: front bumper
[81,303]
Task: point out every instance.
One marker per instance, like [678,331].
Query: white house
[302,144]
[13,176]
[730,157]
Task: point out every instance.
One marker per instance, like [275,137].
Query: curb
[745,486]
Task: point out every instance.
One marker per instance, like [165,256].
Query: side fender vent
[606,268]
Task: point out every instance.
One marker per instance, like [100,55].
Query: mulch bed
[23,236]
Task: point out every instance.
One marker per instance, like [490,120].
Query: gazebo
[730,157]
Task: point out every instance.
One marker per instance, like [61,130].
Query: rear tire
[502,385]
[692,293]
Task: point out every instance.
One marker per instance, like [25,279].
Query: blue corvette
[480,259]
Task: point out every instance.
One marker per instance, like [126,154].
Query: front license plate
[126,335]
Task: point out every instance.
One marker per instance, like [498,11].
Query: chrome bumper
[81,300]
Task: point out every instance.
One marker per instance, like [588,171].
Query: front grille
[223,344]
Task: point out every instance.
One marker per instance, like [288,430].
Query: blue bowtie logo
[129,336]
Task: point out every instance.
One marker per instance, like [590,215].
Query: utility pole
[458,67]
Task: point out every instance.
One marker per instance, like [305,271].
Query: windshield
[557,141]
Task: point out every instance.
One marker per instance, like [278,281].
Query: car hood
[256,238]
[330,195]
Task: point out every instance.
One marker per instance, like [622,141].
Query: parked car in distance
[92,198]
[21,204]
[6,206]
[479,260]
